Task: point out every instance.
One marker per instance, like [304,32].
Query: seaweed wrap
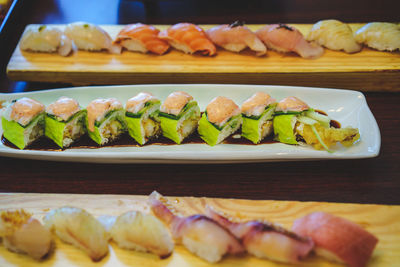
[105,120]
[221,119]
[294,121]
[257,114]
[64,121]
[179,115]
[23,122]
[142,117]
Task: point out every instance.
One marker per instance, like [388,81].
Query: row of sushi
[291,120]
[190,38]
[210,236]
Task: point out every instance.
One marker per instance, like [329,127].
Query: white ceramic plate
[347,107]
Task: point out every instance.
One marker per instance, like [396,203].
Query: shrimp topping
[64,107]
[175,102]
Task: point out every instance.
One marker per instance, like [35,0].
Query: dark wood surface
[375,180]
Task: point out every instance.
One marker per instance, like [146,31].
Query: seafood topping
[24,234]
[221,109]
[198,233]
[291,103]
[336,238]
[265,240]
[64,108]
[25,109]
[175,102]
[136,103]
[98,108]
[256,104]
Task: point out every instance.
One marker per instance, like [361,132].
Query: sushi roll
[141,38]
[22,233]
[90,37]
[257,114]
[179,115]
[382,36]
[142,232]
[221,119]
[337,239]
[23,122]
[142,117]
[284,38]
[105,120]
[235,37]
[188,38]
[79,228]
[48,39]
[335,35]
[64,121]
[295,121]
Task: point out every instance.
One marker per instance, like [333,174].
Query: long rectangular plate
[361,71]
[347,107]
[381,220]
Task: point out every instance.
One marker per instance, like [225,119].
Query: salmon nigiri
[336,238]
[284,38]
[199,234]
[236,37]
[142,38]
[188,38]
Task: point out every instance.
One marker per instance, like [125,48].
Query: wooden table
[375,180]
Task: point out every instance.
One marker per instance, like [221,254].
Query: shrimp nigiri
[142,38]
[336,238]
[284,38]
[79,228]
[142,232]
[46,39]
[236,37]
[265,240]
[87,36]
[188,38]
[24,234]
[198,233]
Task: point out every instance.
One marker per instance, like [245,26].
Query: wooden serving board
[383,221]
[368,70]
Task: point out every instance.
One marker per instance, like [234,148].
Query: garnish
[284,26]
[236,24]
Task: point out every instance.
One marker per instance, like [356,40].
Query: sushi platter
[348,107]
[380,220]
[368,70]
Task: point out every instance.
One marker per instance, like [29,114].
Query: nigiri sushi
[337,239]
[335,35]
[90,37]
[188,38]
[257,114]
[79,228]
[295,121]
[23,122]
[284,38]
[235,37]
[141,38]
[105,120]
[382,36]
[46,38]
[198,233]
[142,117]
[22,233]
[142,232]
[64,121]
[266,240]
[221,119]
[179,115]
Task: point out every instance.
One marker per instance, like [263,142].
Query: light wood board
[368,70]
[383,221]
